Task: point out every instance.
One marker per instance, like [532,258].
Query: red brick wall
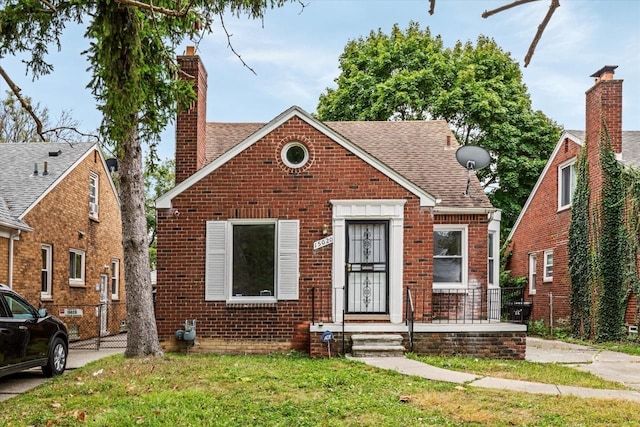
[541,228]
[57,220]
[254,184]
[494,345]
[190,126]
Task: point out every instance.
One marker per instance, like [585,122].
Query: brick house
[279,232]
[539,238]
[61,232]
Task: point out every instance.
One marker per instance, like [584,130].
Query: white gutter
[11,239]
[463,211]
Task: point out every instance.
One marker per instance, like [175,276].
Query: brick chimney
[604,106]
[191,124]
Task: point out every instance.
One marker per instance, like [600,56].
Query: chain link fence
[94,326]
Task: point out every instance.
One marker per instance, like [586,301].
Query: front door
[367,252]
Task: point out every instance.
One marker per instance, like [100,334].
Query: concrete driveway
[13,385]
[606,364]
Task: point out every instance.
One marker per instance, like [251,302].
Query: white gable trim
[164,202]
[564,135]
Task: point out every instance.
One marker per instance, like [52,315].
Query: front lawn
[284,390]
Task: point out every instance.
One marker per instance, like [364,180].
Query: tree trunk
[142,337]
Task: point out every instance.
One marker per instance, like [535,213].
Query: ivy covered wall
[603,245]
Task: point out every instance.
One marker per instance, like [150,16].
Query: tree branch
[51,7]
[432,6]
[59,129]
[488,13]
[552,8]
[16,91]
[230,46]
[151,8]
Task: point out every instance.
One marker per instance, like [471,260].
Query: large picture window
[252,260]
[566,184]
[254,264]
[449,256]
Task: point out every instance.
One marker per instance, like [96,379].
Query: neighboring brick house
[61,232]
[277,232]
[539,238]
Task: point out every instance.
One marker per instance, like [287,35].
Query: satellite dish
[472,158]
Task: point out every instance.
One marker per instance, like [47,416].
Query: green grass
[548,373]
[285,390]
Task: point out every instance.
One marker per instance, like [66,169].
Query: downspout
[11,239]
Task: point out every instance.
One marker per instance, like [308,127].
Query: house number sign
[322,242]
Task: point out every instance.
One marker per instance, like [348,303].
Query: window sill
[564,208]
[450,289]
[47,298]
[548,280]
[249,305]
[77,285]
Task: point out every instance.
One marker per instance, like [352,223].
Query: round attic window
[295,154]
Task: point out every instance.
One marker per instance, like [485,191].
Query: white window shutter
[215,263]
[288,254]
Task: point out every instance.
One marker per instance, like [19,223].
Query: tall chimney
[604,107]
[191,124]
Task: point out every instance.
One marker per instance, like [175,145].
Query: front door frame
[391,210]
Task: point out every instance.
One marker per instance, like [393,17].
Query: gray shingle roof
[630,146]
[417,150]
[20,188]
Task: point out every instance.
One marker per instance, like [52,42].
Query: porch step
[378,345]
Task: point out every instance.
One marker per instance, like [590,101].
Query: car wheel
[57,360]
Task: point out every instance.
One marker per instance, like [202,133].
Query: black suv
[30,337]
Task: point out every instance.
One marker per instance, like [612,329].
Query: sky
[295,54]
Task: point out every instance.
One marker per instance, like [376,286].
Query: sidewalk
[605,364]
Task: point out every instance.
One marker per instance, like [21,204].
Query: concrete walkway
[605,364]
[21,382]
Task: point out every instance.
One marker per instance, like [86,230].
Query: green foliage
[478,89]
[603,248]
[538,328]
[611,305]
[158,179]
[507,280]
[631,182]
[135,78]
[579,252]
